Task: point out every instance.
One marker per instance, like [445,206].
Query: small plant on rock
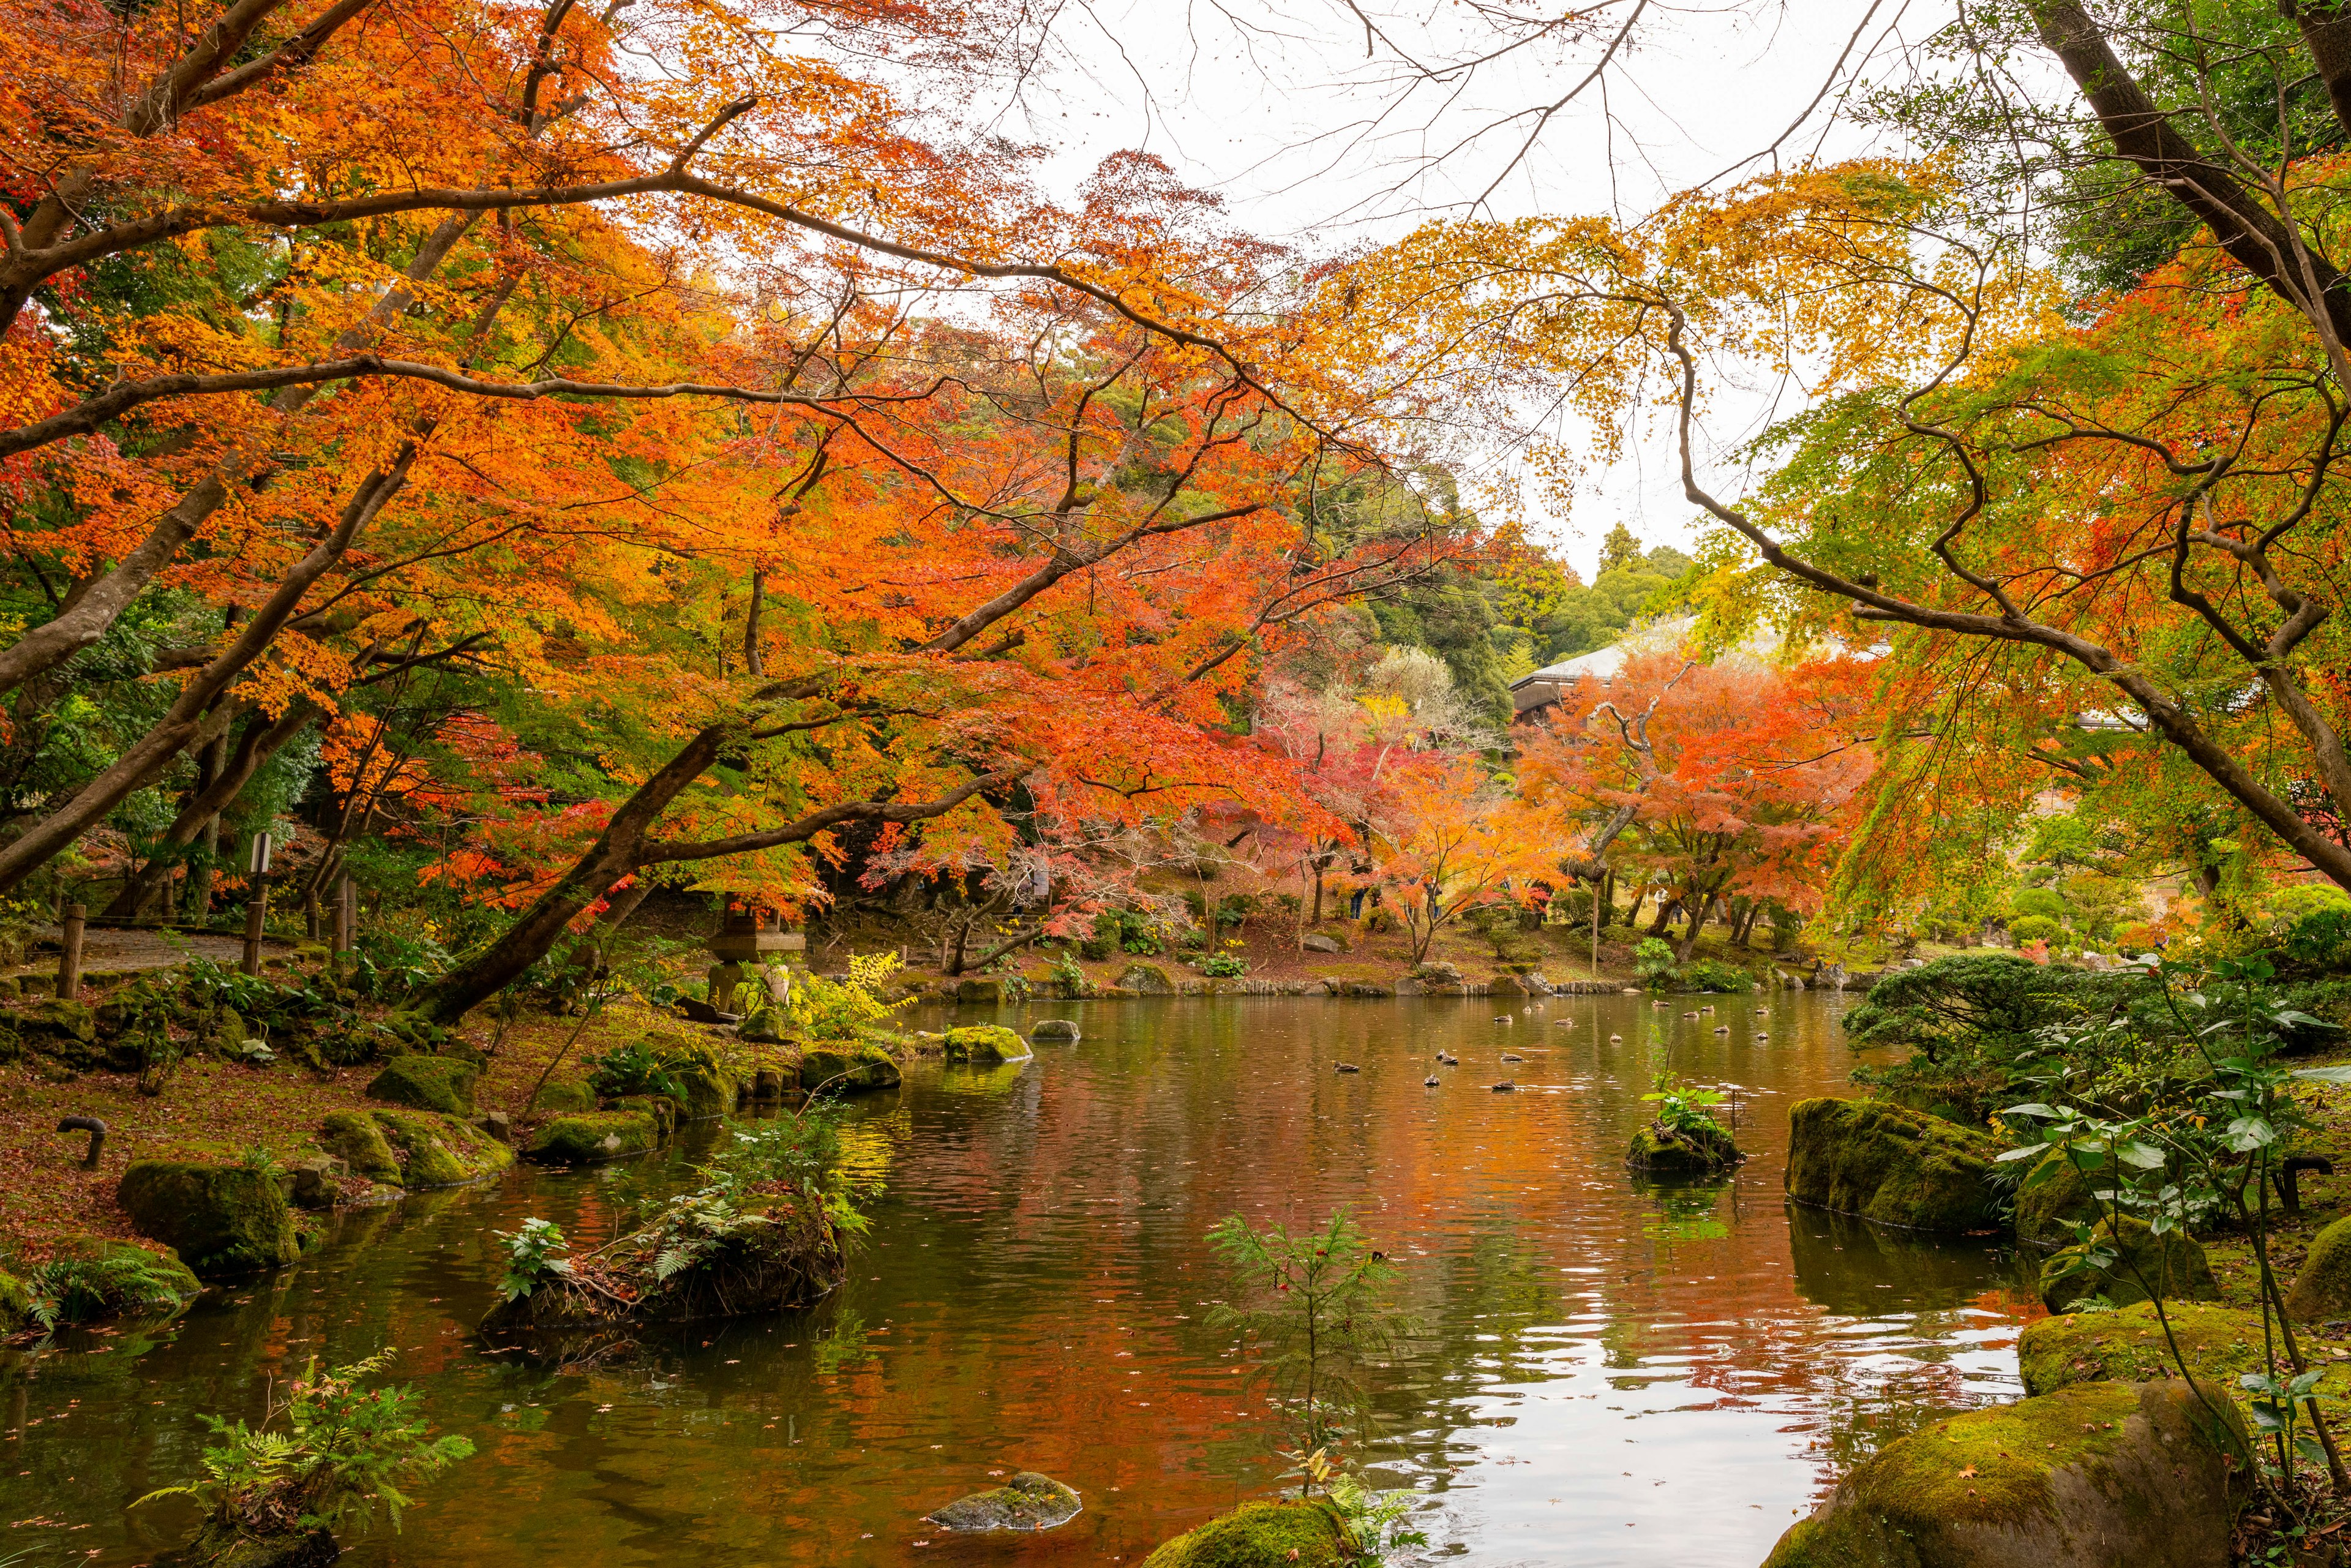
[534,1249]
[1683,1108]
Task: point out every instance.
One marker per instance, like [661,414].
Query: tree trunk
[1697,923]
[751,625]
[223,778]
[1666,907]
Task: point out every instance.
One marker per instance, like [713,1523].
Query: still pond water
[1610,1370]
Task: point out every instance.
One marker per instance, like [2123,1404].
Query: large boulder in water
[436,1150]
[983,1045]
[847,1068]
[2322,1291]
[1054,1028]
[353,1137]
[2172,1263]
[1028,1502]
[2148,1474]
[1891,1166]
[443,1083]
[593,1137]
[220,1220]
[1287,1535]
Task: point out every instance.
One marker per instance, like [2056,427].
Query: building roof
[1540,688]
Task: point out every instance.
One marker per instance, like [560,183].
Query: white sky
[1276,107]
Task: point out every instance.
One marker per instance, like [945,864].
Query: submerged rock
[1028,1502]
[785,1256]
[982,1044]
[2100,1474]
[1696,1150]
[847,1068]
[1891,1166]
[220,1220]
[2323,1290]
[593,1138]
[442,1084]
[1308,1534]
[1055,1029]
[2173,1263]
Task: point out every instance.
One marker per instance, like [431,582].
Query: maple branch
[663,851]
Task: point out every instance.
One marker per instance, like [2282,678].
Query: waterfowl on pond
[1449,1061]
[1689,1015]
[1507,1057]
[1430,1081]
[1504,1018]
[1615,1039]
[1562,1023]
[1761,1011]
[1504,1087]
[1722,1029]
[1347,1067]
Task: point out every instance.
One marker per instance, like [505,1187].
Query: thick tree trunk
[1697,923]
[223,776]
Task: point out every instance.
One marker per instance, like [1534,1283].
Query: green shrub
[1712,975]
[633,1069]
[2035,928]
[1223,965]
[2041,902]
[1653,962]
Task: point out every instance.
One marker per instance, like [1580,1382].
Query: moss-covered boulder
[990,990]
[1028,1502]
[222,1220]
[2322,1291]
[16,1304]
[2100,1474]
[983,1045]
[2220,1345]
[1261,1535]
[1697,1151]
[593,1138]
[847,1068]
[1145,980]
[557,1095]
[1891,1166]
[440,1083]
[436,1150]
[1055,1029]
[706,1089]
[785,1256]
[93,1277]
[57,1020]
[2173,1263]
[2054,1197]
[353,1137]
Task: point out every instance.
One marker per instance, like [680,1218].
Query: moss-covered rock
[982,1044]
[786,1255]
[1145,980]
[2100,1474]
[847,1068]
[55,1019]
[1028,1502]
[220,1547]
[440,1083]
[353,1137]
[1697,1151]
[708,1092]
[2054,1197]
[593,1137]
[560,1095]
[93,1277]
[2173,1263]
[661,1108]
[222,1220]
[2322,1291]
[990,990]
[2220,1346]
[1261,1535]
[1891,1166]
[16,1304]
[437,1150]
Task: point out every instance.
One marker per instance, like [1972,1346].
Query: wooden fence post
[346,916]
[69,961]
[257,907]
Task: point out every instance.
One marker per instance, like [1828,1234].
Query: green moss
[220,1220]
[990,990]
[440,1083]
[1145,980]
[2220,1345]
[2054,1196]
[2322,1291]
[59,1019]
[660,1108]
[90,1277]
[2144,1473]
[709,1091]
[353,1137]
[982,1044]
[223,1546]
[2172,1262]
[1260,1535]
[1656,1149]
[1028,1502]
[1891,1166]
[593,1137]
[847,1068]
[16,1304]
[562,1096]
[436,1150]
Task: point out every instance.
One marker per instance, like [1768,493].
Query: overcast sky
[1280,109]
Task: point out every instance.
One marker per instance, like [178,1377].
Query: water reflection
[1608,1368]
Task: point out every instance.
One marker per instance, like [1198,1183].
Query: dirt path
[105,948]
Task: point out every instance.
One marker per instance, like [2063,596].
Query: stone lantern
[752,938]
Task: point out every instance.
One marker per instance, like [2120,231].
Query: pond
[1607,1370]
